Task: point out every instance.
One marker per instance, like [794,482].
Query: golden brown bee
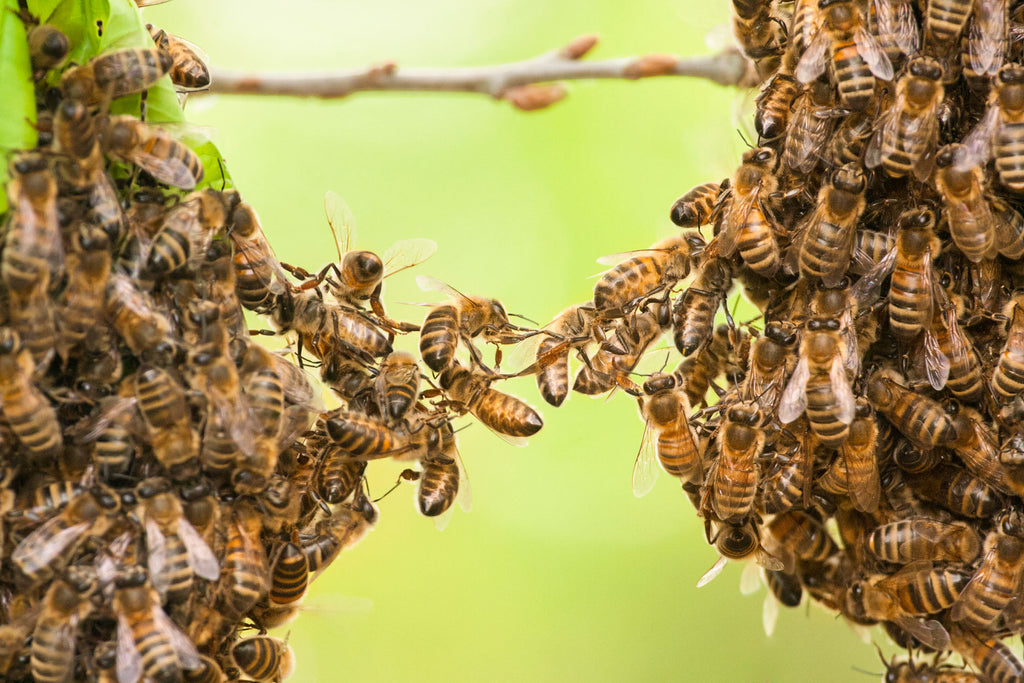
[26,409]
[700,369]
[921,538]
[153,150]
[695,208]
[860,456]
[755,30]
[364,437]
[620,353]
[787,481]
[289,575]
[998,577]
[136,318]
[855,55]
[53,640]
[922,420]
[47,48]
[911,294]
[187,230]
[774,105]
[732,481]
[910,128]
[244,563]
[869,249]
[748,225]
[115,74]
[993,658]
[828,238]
[956,490]
[325,327]
[819,385]
[641,275]
[968,211]
[797,535]
[848,143]
[397,385]
[259,277]
[148,641]
[998,134]
[443,481]
[76,137]
[263,658]
[339,473]
[570,329]
[1008,374]
[88,266]
[945,20]
[189,70]
[667,435]
[208,671]
[768,361]
[501,412]
[347,525]
[31,316]
[693,314]
[965,379]
[814,115]
[32,256]
[177,552]
[883,598]
[89,514]
[736,542]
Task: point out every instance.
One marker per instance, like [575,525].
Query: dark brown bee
[289,575]
[921,538]
[397,386]
[693,314]
[828,238]
[773,106]
[956,490]
[339,474]
[115,74]
[47,48]
[263,658]
[919,418]
[53,639]
[695,208]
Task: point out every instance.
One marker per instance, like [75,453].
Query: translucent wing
[406,254]
[868,289]
[156,545]
[711,574]
[769,614]
[40,547]
[837,271]
[812,62]
[750,579]
[794,397]
[129,662]
[982,576]
[896,21]
[188,656]
[936,365]
[977,146]
[341,222]
[873,54]
[841,389]
[645,468]
[736,214]
[617,258]
[931,633]
[111,409]
[202,560]
[848,335]
[430,284]
[768,561]
[465,495]
[986,42]
[925,163]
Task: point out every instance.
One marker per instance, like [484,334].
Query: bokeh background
[559,571]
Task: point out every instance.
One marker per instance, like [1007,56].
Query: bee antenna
[865,671]
[523,317]
[744,138]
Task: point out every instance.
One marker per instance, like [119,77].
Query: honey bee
[748,225]
[263,658]
[787,481]
[641,275]
[737,542]
[53,640]
[859,454]
[47,48]
[896,28]
[773,106]
[76,138]
[347,525]
[848,143]
[997,133]
[26,409]
[994,658]
[260,281]
[695,208]
[153,150]
[945,20]
[161,401]
[856,57]
[397,385]
[987,38]
[693,314]
[244,577]
[922,420]
[733,479]
[998,577]
[148,642]
[200,507]
[177,552]
[618,355]
[798,535]
[31,316]
[910,128]
[325,327]
[364,437]
[115,74]
[208,671]
[570,328]
[699,370]
[1008,374]
[189,70]
[88,269]
[768,361]
[667,435]
[957,491]
[828,238]
[869,249]
[89,514]
[783,588]
[289,575]
[819,385]
[978,448]
[187,231]
[443,481]
[136,318]
[968,212]
[868,601]
[503,413]
[32,254]
[965,380]
[921,538]
[814,114]
[754,29]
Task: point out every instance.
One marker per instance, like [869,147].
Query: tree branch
[529,84]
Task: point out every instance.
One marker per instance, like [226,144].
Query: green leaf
[78,20]
[17,92]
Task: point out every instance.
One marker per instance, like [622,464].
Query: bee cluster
[867,442]
[169,485]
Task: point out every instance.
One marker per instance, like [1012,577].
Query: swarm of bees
[169,487]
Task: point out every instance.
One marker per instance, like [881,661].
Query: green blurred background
[559,572]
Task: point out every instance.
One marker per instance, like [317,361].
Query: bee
[217,272]
[189,70]
[443,481]
[89,514]
[347,525]
[88,269]
[998,133]
[365,438]
[965,380]
[667,435]
[326,327]
[244,577]
[736,542]
[896,28]
[53,640]
[263,658]
[641,275]
[869,249]
[148,642]
[260,281]
[754,29]
[922,420]
[47,48]
[115,74]
[1008,374]
[570,328]
[883,598]
[135,317]
[177,552]
[998,577]
[783,588]
[208,671]
[199,506]
[31,316]
[921,538]
[187,230]
[397,385]
[994,659]
[289,575]
[501,412]
[987,38]
[733,479]
[104,663]
[856,57]
[693,314]
[910,128]
[153,150]
[814,114]
[969,213]
[945,20]
[911,672]
[32,254]
[768,361]
[695,208]
[978,448]
[828,238]
[773,108]
[819,385]
[787,481]
[798,535]
[860,457]
[26,409]
[748,225]
[619,354]
[957,491]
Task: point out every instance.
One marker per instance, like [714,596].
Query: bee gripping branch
[529,84]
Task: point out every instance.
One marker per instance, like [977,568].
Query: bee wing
[841,388]
[768,561]
[465,495]
[837,271]
[750,579]
[430,284]
[129,661]
[188,656]
[111,408]
[931,633]
[341,221]
[896,21]
[645,468]
[794,396]
[977,145]
[406,254]
[873,54]
[812,62]
[1008,223]
[156,546]
[712,573]
[202,560]
[736,214]
[173,170]
[41,546]
[982,576]
[925,163]
[986,42]
[848,335]
[866,492]
[887,126]
[936,365]
[868,289]
[769,614]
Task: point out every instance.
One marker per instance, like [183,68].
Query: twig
[529,84]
